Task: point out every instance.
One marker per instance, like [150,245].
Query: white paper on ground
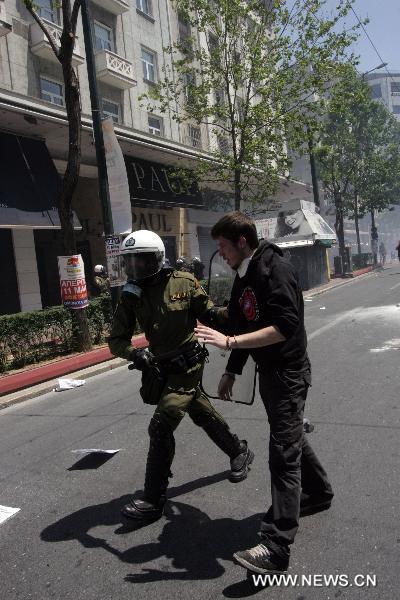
[98,450]
[6,512]
[68,384]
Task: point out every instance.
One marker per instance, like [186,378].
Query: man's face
[233,254]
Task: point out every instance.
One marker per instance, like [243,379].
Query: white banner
[117,181]
[116,274]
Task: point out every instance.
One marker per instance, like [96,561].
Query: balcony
[114,70]
[40,45]
[116,7]
[5,26]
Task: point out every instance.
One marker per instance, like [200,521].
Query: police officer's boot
[159,461]
[237,450]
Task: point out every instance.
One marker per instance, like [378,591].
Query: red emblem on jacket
[248,304]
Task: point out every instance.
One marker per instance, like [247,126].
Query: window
[396,109]
[223,144]
[195,136]
[148,62]
[376,91]
[395,86]
[155,125]
[219,97]
[47,10]
[103,37]
[51,91]
[189,82]
[110,109]
[184,27]
[144,6]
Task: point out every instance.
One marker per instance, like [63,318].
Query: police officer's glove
[142,359]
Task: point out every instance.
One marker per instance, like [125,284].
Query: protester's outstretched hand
[210,336]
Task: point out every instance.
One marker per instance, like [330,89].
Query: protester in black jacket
[266,319]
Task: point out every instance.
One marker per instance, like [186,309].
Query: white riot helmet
[99,269]
[142,254]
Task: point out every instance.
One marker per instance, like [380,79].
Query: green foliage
[365,259]
[254,74]
[31,337]
[359,151]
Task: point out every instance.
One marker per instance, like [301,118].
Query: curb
[15,382]
[339,284]
[48,386]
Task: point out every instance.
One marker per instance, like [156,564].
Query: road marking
[395,286]
[389,345]
[332,323]
[6,512]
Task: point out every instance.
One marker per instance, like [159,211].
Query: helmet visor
[142,264]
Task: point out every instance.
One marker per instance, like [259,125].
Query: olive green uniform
[167,311]
[166,307]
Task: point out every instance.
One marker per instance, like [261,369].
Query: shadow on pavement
[192,542]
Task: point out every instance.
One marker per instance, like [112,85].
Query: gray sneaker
[260,560]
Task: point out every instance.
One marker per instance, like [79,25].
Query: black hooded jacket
[269,294]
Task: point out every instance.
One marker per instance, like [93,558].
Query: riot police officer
[101,283]
[197,268]
[166,304]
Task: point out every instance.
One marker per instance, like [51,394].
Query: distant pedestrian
[382,252]
[398,250]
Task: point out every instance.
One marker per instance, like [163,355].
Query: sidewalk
[34,381]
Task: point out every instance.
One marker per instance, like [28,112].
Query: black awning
[29,183]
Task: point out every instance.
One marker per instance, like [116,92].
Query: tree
[64,52]
[254,74]
[358,153]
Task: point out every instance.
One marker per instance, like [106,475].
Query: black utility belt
[188,357]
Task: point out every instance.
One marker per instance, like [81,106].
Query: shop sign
[154,182]
[72,281]
[116,275]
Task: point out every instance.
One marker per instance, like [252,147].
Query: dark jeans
[292,462]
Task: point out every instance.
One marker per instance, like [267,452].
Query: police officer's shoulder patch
[184,275]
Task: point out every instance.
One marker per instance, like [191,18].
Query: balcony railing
[41,46]
[114,70]
[5,25]
[116,7]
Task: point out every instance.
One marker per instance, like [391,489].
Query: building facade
[130,37]
[385,87]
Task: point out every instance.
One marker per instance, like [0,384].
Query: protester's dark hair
[233,226]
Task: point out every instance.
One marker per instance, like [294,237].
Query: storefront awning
[296,224]
[29,184]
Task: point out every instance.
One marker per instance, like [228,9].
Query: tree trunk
[339,227]
[356,221]
[80,323]
[374,238]
[238,190]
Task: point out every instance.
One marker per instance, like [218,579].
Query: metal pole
[96,117]
[87,23]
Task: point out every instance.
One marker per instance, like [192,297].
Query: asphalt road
[67,540]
